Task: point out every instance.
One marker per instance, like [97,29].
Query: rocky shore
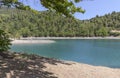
[20,65]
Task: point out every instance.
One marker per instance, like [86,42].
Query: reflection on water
[95,52]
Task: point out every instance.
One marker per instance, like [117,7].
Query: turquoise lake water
[95,52]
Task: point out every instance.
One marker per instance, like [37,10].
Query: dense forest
[18,23]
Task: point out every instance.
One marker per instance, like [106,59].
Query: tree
[4,41]
[65,7]
[102,32]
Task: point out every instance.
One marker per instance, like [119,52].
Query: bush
[4,41]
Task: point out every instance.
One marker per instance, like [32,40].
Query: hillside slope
[19,23]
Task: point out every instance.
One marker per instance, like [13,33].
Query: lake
[100,52]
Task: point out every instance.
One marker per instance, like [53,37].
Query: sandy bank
[77,70]
[31,41]
[20,65]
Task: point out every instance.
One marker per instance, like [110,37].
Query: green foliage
[102,32]
[65,7]
[10,3]
[25,23]
[16,4]
[20,23]
[4,41]
[109,20]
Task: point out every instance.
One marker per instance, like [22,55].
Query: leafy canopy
[14,3]
[65,7]
[4,41]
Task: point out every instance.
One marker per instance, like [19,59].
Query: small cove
[100,52]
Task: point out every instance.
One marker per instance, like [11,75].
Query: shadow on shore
[22,65]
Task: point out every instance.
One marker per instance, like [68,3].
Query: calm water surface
[94,52]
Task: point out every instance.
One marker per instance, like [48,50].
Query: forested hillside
[106,23]
[19,23]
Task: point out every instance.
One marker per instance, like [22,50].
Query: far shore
[55,38]
[32,41]
[44,40]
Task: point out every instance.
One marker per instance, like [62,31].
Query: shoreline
[80,70]
[57,38]
[20,65]
[32,41]
[45,40]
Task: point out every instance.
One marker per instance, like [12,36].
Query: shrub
[4,41]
